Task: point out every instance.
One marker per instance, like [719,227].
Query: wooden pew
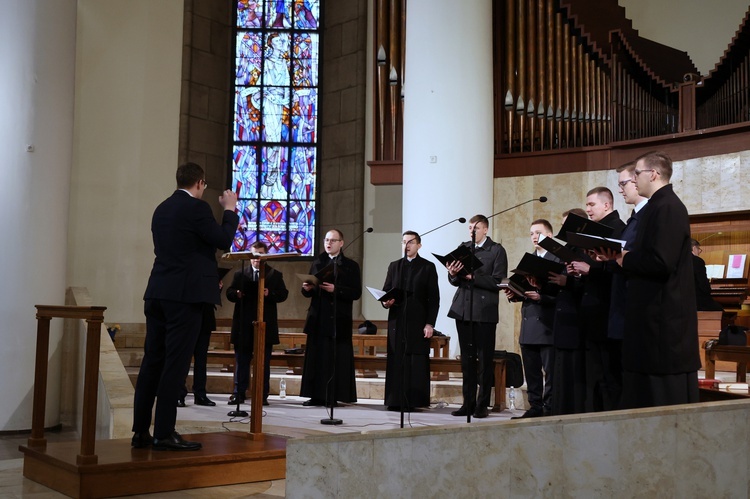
[709,327]
[740,355]
[377,363]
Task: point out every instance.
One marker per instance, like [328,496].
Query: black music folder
[380,295]
[323,275]
[462,254]
[538,267]
[587,241]
[564,253]
[518,284]
[574,223]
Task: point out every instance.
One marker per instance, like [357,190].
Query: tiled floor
[283,417]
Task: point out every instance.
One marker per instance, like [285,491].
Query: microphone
[369,229]
[542,199]
[461,220]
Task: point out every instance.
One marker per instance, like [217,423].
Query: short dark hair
[659,161]
[188,175]
[627,167]
[694,243]
[412,233]
[259,245]
[341,234]
[479,219]
[542,221]
[602,192]
[576,211]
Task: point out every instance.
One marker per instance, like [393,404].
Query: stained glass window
[274,139]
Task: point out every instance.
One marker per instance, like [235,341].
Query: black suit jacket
[703,298]
[348,288]
[486,278]
[537,317]
[597,289]
[422,303]
[661,324]
[246,308]
[186,237]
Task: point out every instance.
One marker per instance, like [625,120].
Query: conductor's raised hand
[228,200]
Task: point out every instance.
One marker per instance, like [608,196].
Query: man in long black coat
[603,354]
[182,284]
[244,294]
[660,346]
[411,318]
[318,380]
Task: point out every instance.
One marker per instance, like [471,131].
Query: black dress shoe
[141,440]
[313,403]
[462,411]
[203,400]
[180,402]
[234,399]
[534,412]
[481,413]
[175,442]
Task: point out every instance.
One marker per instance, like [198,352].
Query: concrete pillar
[37,47]
[448,127]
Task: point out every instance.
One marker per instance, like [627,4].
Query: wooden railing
[94,316]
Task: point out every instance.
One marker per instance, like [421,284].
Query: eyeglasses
[333,240]
[205,184]
[638,172]
[623,183]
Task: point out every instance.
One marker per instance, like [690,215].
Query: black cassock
[319,327]
[408,350]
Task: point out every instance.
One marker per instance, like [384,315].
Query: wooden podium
[109,468]
[259,343]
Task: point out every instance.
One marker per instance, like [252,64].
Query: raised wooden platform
[226,458]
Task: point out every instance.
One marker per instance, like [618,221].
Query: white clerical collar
[640,205]
[410,259]
[540,252]
[479,245]
[185,190]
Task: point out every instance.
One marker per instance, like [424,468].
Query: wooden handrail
[94,316]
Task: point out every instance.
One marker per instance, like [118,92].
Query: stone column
[37,47]
[448,126]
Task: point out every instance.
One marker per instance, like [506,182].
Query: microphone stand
[331,420]
[462,220]
[238,413]
[472,332]
[542,199]
[404,326]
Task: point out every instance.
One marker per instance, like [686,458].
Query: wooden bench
[709,327]
[738,354]
[377,363]
[364,344]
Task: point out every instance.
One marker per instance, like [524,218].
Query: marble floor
[286,417]
[282,417]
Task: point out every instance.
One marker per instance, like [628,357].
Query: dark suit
[660,347]
[319,327]
[479,321]
[703,298]
[603,367]
[245,313]
[408,361]
[569,395]
[182,284]
[537,340]
[200,353]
